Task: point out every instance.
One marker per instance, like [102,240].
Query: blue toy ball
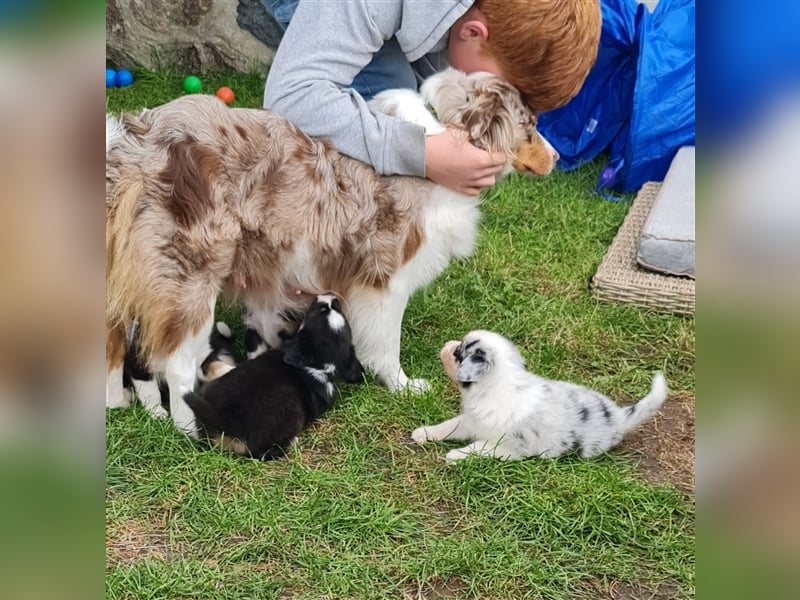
[111,76]
[123,78]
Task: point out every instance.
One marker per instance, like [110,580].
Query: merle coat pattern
[510,413]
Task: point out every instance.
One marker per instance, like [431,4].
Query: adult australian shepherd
[202,199]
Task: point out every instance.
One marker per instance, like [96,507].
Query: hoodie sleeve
[325,46]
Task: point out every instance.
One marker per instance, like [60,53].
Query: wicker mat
[620,279]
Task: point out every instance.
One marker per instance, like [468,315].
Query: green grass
[356,510]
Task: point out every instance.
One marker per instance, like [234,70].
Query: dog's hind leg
[115,357]
[504,450]
[376,320]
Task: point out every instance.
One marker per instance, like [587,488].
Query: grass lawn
[358,511]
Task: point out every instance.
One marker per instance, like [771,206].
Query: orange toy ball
[225,94]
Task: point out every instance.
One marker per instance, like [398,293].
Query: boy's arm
[325,46]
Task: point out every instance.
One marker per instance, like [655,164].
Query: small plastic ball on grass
[111,76]
[225,94]
[123,78]
[192,84]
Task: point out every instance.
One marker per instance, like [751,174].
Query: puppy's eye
[478,356]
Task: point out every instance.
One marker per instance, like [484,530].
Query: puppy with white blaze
[509,413]
[204,200]
[258,408]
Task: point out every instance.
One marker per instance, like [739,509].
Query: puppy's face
[480,356]
[324,338]
[494,117]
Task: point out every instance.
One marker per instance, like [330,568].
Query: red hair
[544,47]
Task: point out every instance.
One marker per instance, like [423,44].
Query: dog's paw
[418,386]
[420,435]
[186,424]
[118,397]
[157,412]
[457,454]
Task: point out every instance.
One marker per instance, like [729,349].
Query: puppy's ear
[293,354]
[473,367]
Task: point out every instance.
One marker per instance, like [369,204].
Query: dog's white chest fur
[451,230]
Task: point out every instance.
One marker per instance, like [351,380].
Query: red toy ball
[225,94]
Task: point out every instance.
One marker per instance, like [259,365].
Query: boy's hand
[458,165]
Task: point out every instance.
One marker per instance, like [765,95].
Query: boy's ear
[473,29]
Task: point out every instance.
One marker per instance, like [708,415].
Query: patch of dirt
[665,444]
[437,589]
[132,541]
[620,590]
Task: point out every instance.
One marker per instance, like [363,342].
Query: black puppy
[259,408]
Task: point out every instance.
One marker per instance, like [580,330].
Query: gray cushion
[667,240]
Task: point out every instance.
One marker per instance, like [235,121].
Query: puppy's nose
[556,155]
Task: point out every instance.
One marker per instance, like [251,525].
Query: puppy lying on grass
[258,408]
[510,413]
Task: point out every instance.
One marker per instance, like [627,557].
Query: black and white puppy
[260,407]
[510,413]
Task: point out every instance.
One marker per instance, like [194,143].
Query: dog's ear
[488,123]
[473,367]
[293,354]
[353,371]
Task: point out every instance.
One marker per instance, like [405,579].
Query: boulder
[190,35]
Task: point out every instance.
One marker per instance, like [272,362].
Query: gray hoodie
[327,44]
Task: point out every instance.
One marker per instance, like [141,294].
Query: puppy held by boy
[258,408]
[510,413]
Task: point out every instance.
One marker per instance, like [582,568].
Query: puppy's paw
[457,454]
[420,435]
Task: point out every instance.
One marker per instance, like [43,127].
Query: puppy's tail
[638,413]
[207,416]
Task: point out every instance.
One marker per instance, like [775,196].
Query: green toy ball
[192,84]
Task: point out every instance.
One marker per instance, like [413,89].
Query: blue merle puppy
[510,413]
[260,407]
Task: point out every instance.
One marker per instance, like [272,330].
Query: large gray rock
[190,35]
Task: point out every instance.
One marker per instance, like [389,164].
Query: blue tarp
[638,101]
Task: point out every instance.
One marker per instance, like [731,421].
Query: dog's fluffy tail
[207,416]
[115,131]
[638,413]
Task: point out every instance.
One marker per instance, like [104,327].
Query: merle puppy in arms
[260,407]
[509,413]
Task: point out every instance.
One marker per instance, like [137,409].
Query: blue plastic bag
[638,100]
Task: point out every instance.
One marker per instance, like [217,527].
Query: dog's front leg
[457,428]
[149,395]
[180,371]
[115,356]
[376,320]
